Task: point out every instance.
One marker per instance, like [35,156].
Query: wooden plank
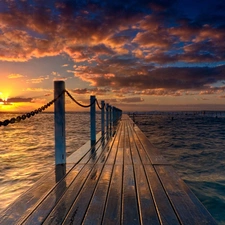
[143,156]
[28,201]
[102,150]
[113,147]
[99,150]
[148,214]
[112,154]
[134,153]
[61,209]
[81,152]
[153,153]
[130,211]
[44,208]
[187,206]
[146,204]
[93,155]
[119,156]
[95,210]
[142,187]
[71,196]
[166,214]
[112,213]
[126,149]
[77,211]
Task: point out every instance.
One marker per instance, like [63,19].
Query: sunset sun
[6,105]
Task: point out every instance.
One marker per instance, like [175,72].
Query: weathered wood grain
[96,207]
[187,206]
[112,213]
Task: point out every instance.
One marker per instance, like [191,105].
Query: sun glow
[4,104]
[7,107]
[3,98]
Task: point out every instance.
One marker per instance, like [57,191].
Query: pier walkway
[122,181]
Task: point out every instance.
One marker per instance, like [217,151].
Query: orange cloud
[37,90]
[118,48]
[184,33]
[208,32]
[38,80]
[154,39]
[15,76]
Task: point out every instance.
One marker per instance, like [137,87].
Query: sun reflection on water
[27,150]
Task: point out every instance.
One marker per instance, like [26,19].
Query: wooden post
[59,117]
[107,119]
[60,134]
[117,116]
[110,120]
[113,116]
[103,118]
[93,120]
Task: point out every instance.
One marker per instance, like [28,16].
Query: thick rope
[28,115]
[99,105]
[85,106]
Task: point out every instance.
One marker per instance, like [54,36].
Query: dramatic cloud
[140,78]
[19,99]
[124,48]
[88,30]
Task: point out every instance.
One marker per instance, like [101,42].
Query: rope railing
[84,106]
[100,107]
[109,115]
[109,118]
[41,109]
[28,115]
[72,98]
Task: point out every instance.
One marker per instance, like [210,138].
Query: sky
[137,55]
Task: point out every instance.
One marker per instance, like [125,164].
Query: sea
[193,142]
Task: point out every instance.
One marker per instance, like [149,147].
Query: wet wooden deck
[125,181]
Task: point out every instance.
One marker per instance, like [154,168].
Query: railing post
[60,138]
[93,120]
[110,120]
[116,115]
[107,119]
[103,118]
[59,117]
[113,116]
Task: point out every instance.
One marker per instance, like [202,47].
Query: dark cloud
[91,91]
[18,99]
[116,45]
[131,100]
[81,91]
[187,78]
[86,29]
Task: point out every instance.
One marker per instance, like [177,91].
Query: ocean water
[27,149]
[194,143]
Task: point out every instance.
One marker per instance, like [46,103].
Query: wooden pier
[122,181]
